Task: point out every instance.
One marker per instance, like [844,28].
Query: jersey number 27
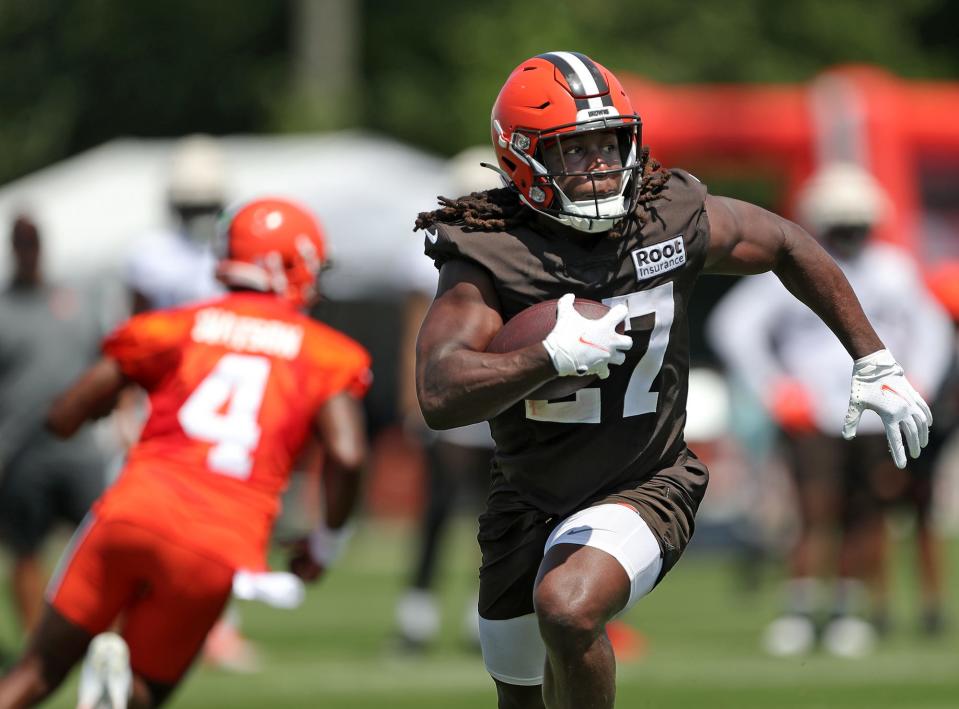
[639,398]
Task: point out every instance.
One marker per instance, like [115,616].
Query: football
[532,325]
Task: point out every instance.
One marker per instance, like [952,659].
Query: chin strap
[588,225]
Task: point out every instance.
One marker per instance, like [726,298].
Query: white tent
[366,190]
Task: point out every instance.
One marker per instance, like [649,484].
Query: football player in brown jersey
[592,497]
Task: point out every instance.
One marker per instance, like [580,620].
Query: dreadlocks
[499,209]
[488,210]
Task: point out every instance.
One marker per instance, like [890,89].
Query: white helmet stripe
[584,75]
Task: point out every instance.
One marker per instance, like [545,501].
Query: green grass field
[701,631]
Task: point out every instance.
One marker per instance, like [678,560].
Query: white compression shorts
[513,649]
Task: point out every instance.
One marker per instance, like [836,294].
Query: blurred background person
[935,474]
[174,265]
[50,332]
[238,385]
[915,490]
[457,460]
[786,357]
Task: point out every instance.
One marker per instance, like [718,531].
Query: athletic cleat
[849,637]
[417,618]
[789,636]
[105,679]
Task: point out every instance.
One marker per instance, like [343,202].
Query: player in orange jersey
[236,385]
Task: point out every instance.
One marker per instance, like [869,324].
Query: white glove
[878,384]
[275,588]
[580,346]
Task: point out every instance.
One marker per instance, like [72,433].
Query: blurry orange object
[226,649]
[792,407]
[628,643]
[943,281]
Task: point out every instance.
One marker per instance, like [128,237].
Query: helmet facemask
[601,209]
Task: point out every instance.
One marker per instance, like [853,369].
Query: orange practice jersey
[234,386]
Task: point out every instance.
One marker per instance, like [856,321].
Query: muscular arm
[340,429]
[746,239]
[414,312]
[457,382]
[92,396]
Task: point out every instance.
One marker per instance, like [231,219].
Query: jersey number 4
[223,410]
[639,398]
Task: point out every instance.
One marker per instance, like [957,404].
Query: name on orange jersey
[214,326]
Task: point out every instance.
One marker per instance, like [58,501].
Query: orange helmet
[272,245]
[551,96]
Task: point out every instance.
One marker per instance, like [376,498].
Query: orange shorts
[166,597]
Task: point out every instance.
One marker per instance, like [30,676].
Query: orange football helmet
[272,245]
[551,96]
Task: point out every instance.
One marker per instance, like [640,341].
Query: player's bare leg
[227,649]
[930,575]
[514,696]
[56,646]
[819,516]
[864,558]
[794,632]
[859,586]
[578,590]
[149,695]
[28,580]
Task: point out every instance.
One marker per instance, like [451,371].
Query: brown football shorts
[513,533]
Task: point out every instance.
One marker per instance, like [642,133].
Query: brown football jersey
[561,454]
